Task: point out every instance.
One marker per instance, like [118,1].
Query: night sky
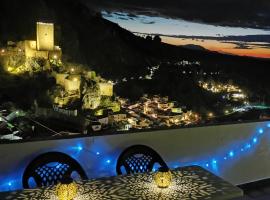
[206,23]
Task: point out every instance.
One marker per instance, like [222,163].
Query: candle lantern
[66,190]
[163,177]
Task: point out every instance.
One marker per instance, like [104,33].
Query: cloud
[120,14]
[242,13]
[241,45]
[240,42]
[259,45]
[249,45]
[147,22]
[123,18]
[132,15]
[263,40]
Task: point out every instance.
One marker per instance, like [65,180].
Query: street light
[210,114]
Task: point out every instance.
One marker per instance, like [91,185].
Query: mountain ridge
[87,38]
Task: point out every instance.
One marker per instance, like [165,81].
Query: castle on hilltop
[43,46]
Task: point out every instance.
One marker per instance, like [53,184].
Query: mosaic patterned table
[189,183]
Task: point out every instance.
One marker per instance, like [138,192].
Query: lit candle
[163,177]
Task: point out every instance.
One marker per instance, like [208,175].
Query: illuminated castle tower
[43,46]
[45,36]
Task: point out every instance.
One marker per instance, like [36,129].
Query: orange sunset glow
[221,46]
[182,32]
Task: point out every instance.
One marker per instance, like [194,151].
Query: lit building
[238,96]
[91,75]
[103,121]
[60,78]
[72,83]
[43,46]
[96,126]
[117,117]
[176,110]
[45,36]
[91,101]
[106,89]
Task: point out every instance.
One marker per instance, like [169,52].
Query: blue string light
[245,147]
[80,148]
[214,162]
[248,146]
[211,163]
[255,140]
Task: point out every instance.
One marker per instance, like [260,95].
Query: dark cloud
[243,13]
[242,38]
[147,22]
[241,42]
[107,15]
[248,45]
[132,15]
[120,14]
[241,45]
[123,18]
[259,45]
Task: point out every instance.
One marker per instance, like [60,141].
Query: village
[81,95]
[80,101]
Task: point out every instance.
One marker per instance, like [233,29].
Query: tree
[157,39]
[148,38]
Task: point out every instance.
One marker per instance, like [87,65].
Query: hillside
[114,52]
[87,38]
[84,37]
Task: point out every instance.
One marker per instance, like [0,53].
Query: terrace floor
[256,191]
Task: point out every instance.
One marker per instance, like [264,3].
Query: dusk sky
[167,26]
[182,22]
[183,32]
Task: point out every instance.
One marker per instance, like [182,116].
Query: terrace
[183,183]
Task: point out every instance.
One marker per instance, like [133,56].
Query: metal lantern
[163,177]
[66,190]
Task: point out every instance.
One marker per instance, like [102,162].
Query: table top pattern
[189,183]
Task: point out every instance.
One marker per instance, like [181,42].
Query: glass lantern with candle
[163,177]
[66,190]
